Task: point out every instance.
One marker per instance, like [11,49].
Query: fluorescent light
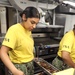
[70,3]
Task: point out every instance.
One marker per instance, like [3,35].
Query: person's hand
[18,72]
[35,58]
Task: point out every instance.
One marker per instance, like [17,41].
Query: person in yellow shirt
[18,45]
[66,53]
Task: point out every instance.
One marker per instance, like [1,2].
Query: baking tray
[48,68]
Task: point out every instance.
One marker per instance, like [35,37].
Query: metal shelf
[44,25]
[52,45]
[48,56]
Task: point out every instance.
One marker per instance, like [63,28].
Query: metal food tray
[38,61]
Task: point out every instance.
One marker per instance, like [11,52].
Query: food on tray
[46,66]
[41,73]
[43,64]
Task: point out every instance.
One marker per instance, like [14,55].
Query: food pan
[47,67]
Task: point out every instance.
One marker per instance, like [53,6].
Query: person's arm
[7,62]
[67,59]
[0,54]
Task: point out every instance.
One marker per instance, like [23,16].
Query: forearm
[67,58]
[7,62]
[69,62]
[0,54]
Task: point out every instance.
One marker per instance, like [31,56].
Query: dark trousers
[2,68]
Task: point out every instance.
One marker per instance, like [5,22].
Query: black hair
[30,12]
[74,27]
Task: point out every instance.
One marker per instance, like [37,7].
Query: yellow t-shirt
[68,44]
[21,43]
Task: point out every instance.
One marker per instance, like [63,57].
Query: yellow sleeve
[10,38]
[67,43]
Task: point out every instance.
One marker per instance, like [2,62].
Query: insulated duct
[21,4]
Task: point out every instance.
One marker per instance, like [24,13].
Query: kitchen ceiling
[6,2]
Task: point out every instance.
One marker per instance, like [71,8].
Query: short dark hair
[30,12]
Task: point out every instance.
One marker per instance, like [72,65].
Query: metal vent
[5,3]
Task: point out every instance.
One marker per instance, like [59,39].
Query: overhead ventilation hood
[66,7]
[21,4]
